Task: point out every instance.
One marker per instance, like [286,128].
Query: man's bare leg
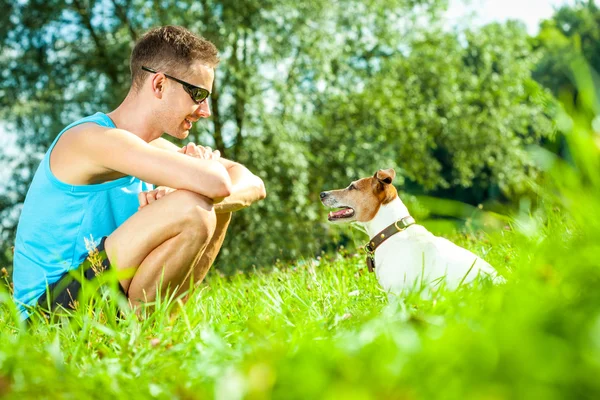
[161,243]
[209,255]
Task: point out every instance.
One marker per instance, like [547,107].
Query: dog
[403,254]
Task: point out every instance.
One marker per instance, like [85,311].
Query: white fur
[416,257]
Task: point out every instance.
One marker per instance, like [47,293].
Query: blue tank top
[58,219]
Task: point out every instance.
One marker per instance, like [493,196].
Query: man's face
[180,110]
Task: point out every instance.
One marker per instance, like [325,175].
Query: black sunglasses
[197,93]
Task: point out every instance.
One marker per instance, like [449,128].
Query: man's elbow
[224,187]
[261,190]
[221,186]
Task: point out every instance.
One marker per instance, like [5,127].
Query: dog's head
[361,200]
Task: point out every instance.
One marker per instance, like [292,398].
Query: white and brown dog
[403,254]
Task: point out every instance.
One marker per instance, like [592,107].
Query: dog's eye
[352,187]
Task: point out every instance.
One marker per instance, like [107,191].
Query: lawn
[324,329]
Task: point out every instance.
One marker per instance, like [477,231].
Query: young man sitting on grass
[91,185]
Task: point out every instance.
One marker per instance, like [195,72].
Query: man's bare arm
[121,151]
[164,144]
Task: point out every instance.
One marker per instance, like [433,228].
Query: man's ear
[385,176]
[158,85]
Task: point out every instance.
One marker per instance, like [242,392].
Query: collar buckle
[397,226]
[406,222]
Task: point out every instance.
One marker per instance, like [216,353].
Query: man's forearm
[164,144]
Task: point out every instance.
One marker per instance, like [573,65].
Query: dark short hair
[170,49]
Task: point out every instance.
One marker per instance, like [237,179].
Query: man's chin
[179,134]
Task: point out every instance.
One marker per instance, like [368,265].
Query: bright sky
[531,12]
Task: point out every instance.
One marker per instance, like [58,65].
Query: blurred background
[459,97]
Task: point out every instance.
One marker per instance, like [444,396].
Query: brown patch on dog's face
[361,200]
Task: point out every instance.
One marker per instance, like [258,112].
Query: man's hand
[204,152]
[192,150]
[151,196]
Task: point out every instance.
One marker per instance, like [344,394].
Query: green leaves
[573,33]
[309,96]
[448,114]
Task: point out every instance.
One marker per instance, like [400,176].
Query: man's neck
[387,214]
[136,118]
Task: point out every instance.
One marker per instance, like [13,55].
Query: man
[91,186]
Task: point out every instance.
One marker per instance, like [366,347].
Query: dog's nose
[323,195]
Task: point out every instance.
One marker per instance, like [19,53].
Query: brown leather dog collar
[384,235]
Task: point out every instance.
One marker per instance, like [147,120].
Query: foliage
[456,112]
[269,51]
[452,119]
[308,96]
[573,32]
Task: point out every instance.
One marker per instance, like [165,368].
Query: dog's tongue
[341,213]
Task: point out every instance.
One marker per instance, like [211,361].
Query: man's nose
[203,110]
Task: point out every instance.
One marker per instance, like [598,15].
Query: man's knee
[184,200]
[198,213]
[201,220]
[194,212]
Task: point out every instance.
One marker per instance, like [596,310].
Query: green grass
[326,330]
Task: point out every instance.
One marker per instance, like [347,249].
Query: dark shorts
[64,292]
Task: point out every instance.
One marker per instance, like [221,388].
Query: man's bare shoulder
[91,133]
[70,161]
[91,148]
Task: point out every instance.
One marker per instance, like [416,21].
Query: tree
[454,116]
[63,59]
[573,33]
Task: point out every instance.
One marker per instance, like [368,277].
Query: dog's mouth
[345,212]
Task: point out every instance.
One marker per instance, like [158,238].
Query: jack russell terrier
[403,254]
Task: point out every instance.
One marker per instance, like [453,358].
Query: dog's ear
[385,176]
